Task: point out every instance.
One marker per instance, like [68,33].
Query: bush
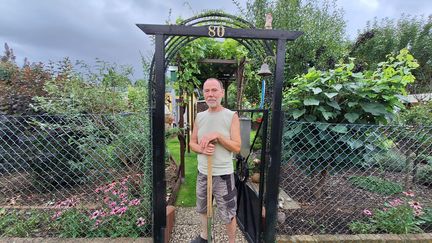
[424,175]
[391,160]
[56,164]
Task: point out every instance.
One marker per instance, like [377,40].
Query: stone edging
[381,238]
[76,240]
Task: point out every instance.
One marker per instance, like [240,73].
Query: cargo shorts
[224,192]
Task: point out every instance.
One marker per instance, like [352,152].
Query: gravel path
[187,227]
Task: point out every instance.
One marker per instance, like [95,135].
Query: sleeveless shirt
[216,122]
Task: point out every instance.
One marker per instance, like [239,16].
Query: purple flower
[134,202]
[57,215]
[112,204]
[140,222]
[409,193]
[367,212]
[415,205]
[396,202]
[122,210]
[96,214]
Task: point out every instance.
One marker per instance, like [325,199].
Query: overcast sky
[45,30]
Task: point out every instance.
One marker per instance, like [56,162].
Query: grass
[375,184]
[186,196]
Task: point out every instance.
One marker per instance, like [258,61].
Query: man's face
[213,93]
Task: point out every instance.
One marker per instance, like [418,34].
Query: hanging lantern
[264,70]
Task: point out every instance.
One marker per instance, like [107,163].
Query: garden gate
[168,40]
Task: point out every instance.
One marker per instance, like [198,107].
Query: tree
[323,41]
[380,38]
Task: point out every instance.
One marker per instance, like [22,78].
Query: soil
[340,202]
[171,179]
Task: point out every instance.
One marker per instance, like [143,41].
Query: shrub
[424,175]
[391,160]
[343,96]
[56,164]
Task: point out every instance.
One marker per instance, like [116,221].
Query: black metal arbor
[168,40]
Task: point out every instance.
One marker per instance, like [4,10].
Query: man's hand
[209,138]
[209,150]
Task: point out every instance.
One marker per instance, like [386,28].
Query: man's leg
[231,230]
[203,218]
[201,203]
[225,195]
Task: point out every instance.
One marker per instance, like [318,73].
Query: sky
[84,30]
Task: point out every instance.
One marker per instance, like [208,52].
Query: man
[216,133]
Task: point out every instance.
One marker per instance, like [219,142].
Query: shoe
[198,239]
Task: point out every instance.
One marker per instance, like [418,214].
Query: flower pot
[170,219]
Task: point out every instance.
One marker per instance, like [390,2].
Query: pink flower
[396,202]
[95,214]
[367,212]
[112,204]
[134,202]
[415,205]
[57,215]
[418,212]
[122,210]
[409,193]
[140,222]
[123,195]
[68,203]
[114,211]
[99,189]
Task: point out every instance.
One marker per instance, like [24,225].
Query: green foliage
[358,227]
[22,224]
[424,174]
[192,73]
[391,160]
[418,115]
[375,184]
[58,165]
[100,91]
[399,216]
[389,36]
[323,41]
[341,95]
[96,142]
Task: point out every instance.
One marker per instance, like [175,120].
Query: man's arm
[197,148]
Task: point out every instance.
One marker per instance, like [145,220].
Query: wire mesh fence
[349,179]
[75,176]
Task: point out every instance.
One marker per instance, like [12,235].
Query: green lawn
[186,196]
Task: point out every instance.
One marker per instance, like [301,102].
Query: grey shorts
[224,192]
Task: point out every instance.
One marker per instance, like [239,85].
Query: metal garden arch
[168,40]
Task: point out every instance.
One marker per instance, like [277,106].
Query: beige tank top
[216,122]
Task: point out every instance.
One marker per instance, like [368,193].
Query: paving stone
[187,227]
